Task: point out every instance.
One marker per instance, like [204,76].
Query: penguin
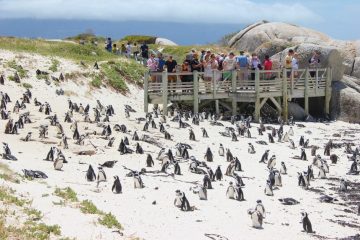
[28,137]
[272,162]
[207,182]
[239,193]
[202,192]
[138,183]
[51,154]
[257,218]
[265,156]
[185,205]
[353,168]
[248,133]
[268,189]
[306,223]
[208,155]
[116,187]
[139,149]
[211,173]
[327,149]
[167,135]
[149,161]
[271,138]
[322,173]
[260,207]
[229,156]
[221,150]
[204,133]
[101,177]
[260,131]
[230,192]
[90,174]
[178,199]
[111,142]
[251,148]
[303,154]
[135,136]
[191,135]
[278,181]
[301,141]
[218,174]
[7,153]
[313,150]
[283,169]
[108,164]
[334,158]
[58,164]
[343,186]
[233,137]
[2,80]
[238,179]
[230,169]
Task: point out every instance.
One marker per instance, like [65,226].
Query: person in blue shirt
[161,62]
[242,63]
[109,45]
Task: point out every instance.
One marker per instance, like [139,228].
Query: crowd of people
[213,65]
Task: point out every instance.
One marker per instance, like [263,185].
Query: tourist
[115,49]
[144,53]
[314,62]
[195,65]
[170,65]
[185,67]
[295,64]
[268,66]
[152,65]
[229,65]
[203,52]
[288,62]
[190,55]
[243,65]
[254,65]
[123,49]
[108,46]
[136,51]
[160,62]
[128,50]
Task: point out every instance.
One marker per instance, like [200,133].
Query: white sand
[133,208]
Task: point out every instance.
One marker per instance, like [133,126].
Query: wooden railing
[259,83]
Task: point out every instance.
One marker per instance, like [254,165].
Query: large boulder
[356,68]
[345,100]
[330,57]
[296,111]
[164,42]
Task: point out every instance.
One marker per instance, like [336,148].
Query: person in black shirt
[195,64]
[144,52]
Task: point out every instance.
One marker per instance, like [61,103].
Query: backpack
[243,61]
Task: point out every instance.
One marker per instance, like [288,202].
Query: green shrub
[67,194]
[88,207]
[27,85]
[54,65]
[109,221]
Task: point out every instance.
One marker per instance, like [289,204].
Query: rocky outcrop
[273,37]
[164,42]
[296,111]
[345,101]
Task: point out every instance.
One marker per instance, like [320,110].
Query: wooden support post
[164,79]
[285,96]
[306,92]
[213,84]
[257,95]
[217,109]
[328,90]
[233,89]
[146,92]
[196,91]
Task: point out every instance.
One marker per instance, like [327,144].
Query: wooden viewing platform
[231,91]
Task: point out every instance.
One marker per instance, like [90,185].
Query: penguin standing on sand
[221,150]
[257,218]
[306,222]
[204,133]
[271,138]
[229,156]
[101,177]
[303,154]
[251,149]
[149,161]
[230,192]
[283,169]
[185,205]
[90,174]
[178,199]
[218,174]
[58,164]
[191,135]
[233,137]
[268,189]
[272,162]
[265,156]
[343,186]
[116,188]
[322,172]
[208,155]
[138,183]
[313,150]
[207,182]
[202,192]
[301,141]
[239,193]
[177,170]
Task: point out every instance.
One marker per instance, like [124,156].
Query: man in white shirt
[229,65]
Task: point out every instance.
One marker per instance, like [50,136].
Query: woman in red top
[268,66]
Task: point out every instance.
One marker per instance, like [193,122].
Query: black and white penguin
[51,154]
[327,149]
[272,162]
[208,155]
[58,164]
[343,185]
[257,218]
[230,169]
[237,165]
[221,150]
[204,133]
[185,205]
[101,177]
[167,135]
[149,161]
[138,183]
[265,156]
[218,174]
[233,137]
[191,135]
[303,154]
[135,136]
[251,148]
[178,199]
[139,149]
[301,141]
[322,172]
[313,150]
[28,137]
[271,138]
[268,189]
[108,164]
[239,193]
[116,187]
[202,192]
[177,169]
[90,174]
[334,158]
[2,80]
[306,223]
[229,156]
[283,169]
[230,192]
[207,182]
[260,207]
[7,153]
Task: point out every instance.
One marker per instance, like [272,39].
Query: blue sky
[334,17]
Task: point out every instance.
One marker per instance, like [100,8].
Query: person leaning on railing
[170,66]
[152,64]
[288,62]
[229,65]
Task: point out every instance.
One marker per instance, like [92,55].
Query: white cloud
[212,11]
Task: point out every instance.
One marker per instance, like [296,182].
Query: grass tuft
[67,194]
[88,207]
[19,69]
[54,65]
[27,85]
[110,221]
